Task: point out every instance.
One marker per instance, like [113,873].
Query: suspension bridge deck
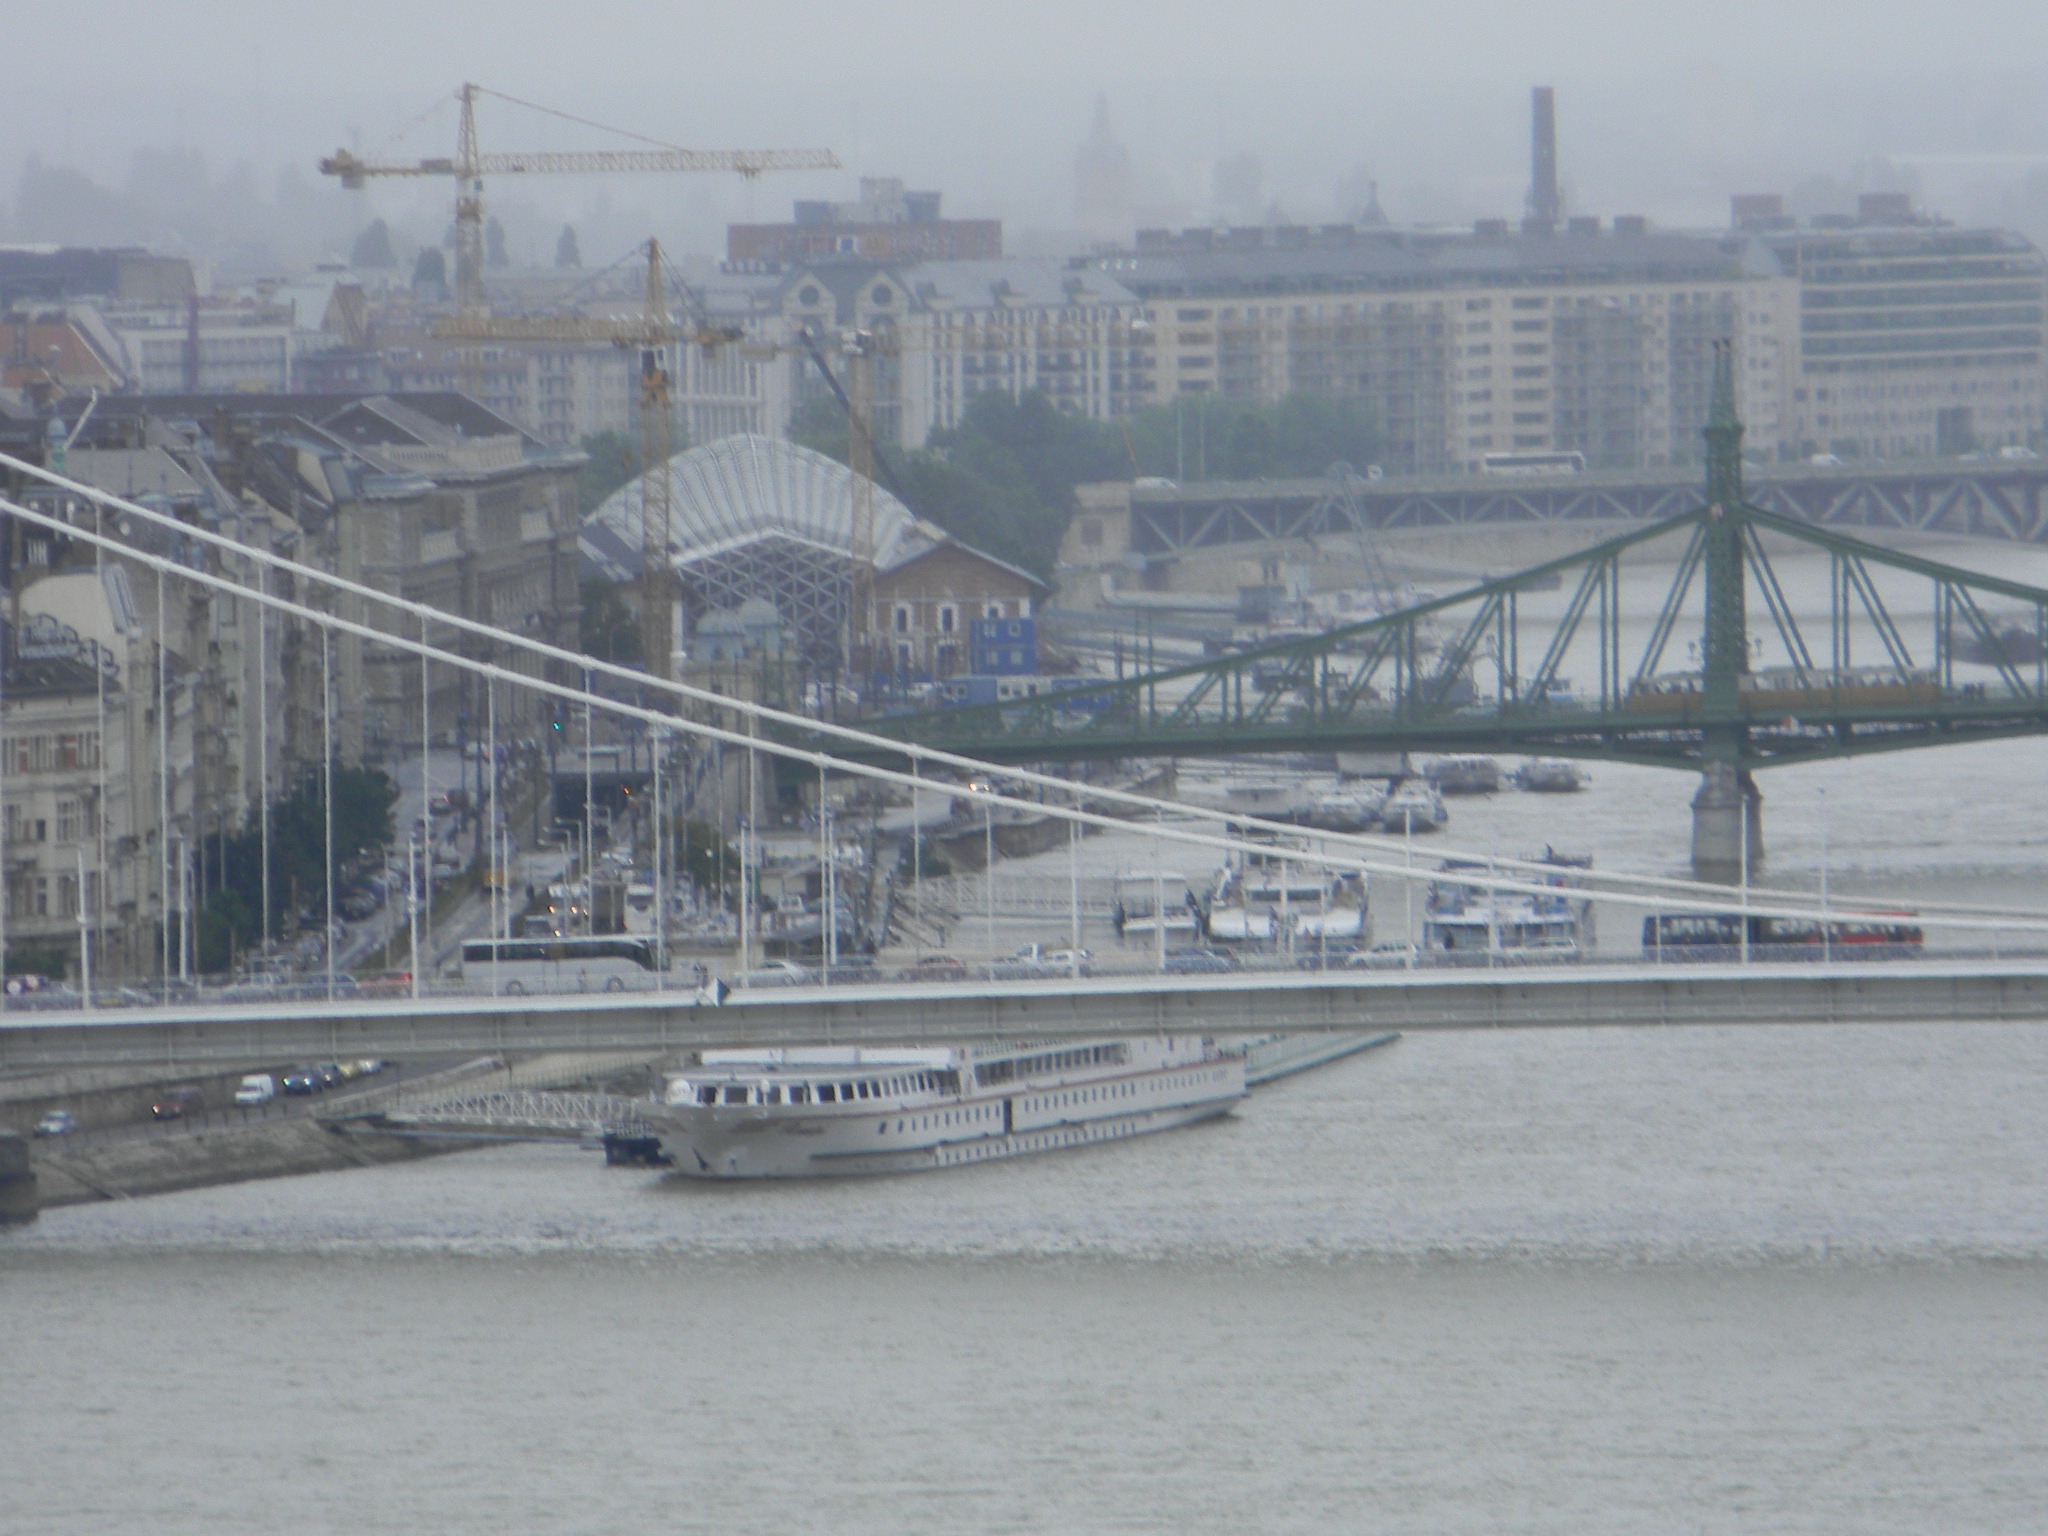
[1952,990]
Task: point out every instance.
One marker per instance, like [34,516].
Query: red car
[177,1103]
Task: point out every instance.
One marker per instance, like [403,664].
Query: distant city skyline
[1294,114]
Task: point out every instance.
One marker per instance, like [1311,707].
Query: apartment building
[1591,339]
[1915,337]
[942,332]
[560,392]
[429,497]
[205,345]
[106,745]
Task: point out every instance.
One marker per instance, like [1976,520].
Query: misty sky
[989,101]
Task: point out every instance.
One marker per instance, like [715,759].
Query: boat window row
[966,1115]
[1101,1093]
[1050,1061]
[826,1093]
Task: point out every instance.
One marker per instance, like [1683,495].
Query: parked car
[1199,960]
[177,1103]
[257,1088]
[1386,955]
[359,903]
[40,992]
[776,973]
[852,970]
[1032,962]
[934,968]
[56,1122]
[302,1080]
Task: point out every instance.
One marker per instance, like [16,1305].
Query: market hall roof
[742,490]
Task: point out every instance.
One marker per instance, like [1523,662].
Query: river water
[1682,1281]
[1672,1282]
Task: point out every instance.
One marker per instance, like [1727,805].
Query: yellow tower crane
[651,334]
[471,165]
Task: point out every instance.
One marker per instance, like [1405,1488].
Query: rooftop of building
[1337,258]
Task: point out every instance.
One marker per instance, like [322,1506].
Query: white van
[257,1088]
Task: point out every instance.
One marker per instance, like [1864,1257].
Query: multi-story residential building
[561,392]
[205,345]
[1588,339]
[101,795]
[142,716]
[942,332]
[1914,336]
[428,497]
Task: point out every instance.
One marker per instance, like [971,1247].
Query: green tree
[607,627]
[698,851]
[1003,479]
[819,424]
[232,920]
[373,247]
[614,460]
[430,273]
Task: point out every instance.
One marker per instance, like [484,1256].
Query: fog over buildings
[202,139]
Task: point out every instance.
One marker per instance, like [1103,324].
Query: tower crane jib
[470,165]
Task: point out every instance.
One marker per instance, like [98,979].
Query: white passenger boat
[1466,775]
[806,1113]
[1465,925]
[1268,900]
[1551,776]
[1354,808]
[1146,902]
[1415,805]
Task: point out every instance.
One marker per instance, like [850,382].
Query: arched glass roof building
[757,517]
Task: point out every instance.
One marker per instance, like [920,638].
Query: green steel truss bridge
[1700,642]
[1679,644]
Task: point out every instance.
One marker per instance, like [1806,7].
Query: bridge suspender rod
[1353,846]
[1709,898]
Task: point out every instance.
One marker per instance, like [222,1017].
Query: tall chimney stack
[1545,212]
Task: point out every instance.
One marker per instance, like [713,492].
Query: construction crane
[856,398]
[650,334]
[470,165]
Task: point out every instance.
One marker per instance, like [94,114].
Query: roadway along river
[1682,1281]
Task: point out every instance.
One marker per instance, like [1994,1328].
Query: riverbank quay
[286,1137]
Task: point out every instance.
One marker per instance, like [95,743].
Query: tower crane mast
[650,334]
